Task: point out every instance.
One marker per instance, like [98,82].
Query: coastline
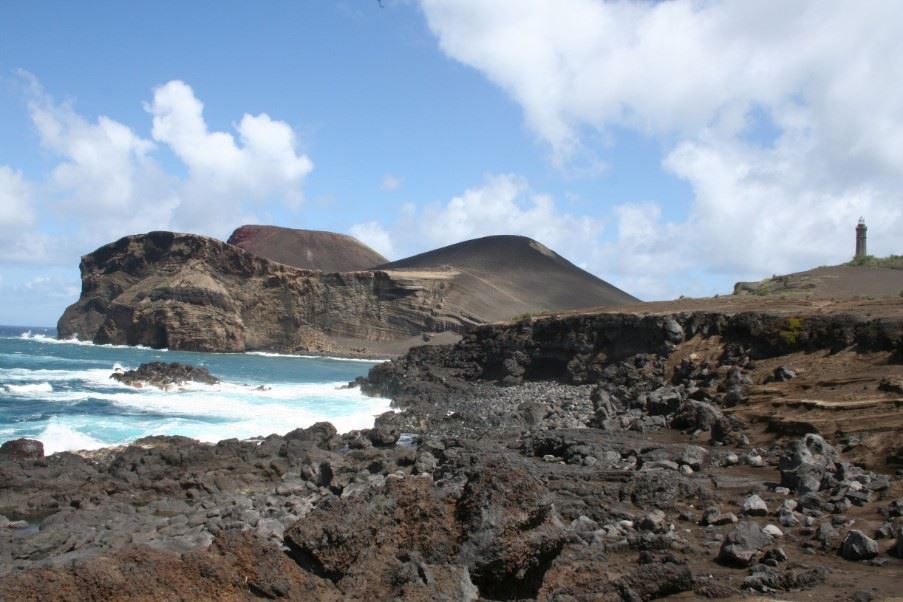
[67,385]
[665,455]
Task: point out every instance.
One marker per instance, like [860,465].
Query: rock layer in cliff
[190,292]
[184,291]
[306,249]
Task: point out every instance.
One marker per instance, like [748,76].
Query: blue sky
[669,148]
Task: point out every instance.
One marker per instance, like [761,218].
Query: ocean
[60,392]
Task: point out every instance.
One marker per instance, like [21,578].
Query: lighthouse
[860,239]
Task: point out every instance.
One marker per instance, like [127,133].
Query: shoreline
[375,356]
[663,456]
[252,382]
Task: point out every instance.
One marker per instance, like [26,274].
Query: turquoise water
[60,392]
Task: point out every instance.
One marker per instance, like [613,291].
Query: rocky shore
[588,457]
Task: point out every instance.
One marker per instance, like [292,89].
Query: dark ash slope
[502,276]
[306,249]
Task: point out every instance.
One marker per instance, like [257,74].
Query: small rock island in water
[164,376]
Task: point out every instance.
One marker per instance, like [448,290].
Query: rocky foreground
[591,457]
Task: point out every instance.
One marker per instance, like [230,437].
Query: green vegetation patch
[894,262]
[791,332]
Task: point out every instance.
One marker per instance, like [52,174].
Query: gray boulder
[858,546]
[742,544]
[807,463]
[755,506]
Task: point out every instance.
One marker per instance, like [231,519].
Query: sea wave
[43,338]
[43,387]
[98,377]
[208,418]
[58,437]
[318,357]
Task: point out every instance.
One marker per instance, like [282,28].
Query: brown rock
[22,449]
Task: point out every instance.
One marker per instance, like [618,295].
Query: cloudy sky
[671,148]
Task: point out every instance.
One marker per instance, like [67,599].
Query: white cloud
[698,75]
[108,182]
[223,173]
[504,204]
[374,236]
[18,240]
[390,183]
[15,205]
[501,204]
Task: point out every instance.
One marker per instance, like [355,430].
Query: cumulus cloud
[374,236]
[15,206]
[17,219]
[707,79]
[223,171]
[109,181]
[505,204]
[501,204]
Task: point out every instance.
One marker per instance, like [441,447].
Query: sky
[670,148]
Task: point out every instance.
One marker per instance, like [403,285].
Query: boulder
[891,385]
[22,449]
[755,506]
[782,374]
[858,546]
[742,544]
[653,521]
[163,375]
[807,463]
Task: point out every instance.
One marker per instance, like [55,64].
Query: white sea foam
[319,357]
[239,407]
[43,387]
[43,338]
[58,437]
[94,376]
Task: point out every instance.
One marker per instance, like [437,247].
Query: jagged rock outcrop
[306,249]
[183,291]
[164,376]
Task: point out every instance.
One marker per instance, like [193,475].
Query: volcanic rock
[807,463]
[163,375]
[742,544]
[755,506]
[22,449]
[858,546]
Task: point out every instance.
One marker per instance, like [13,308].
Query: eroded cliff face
[189,292]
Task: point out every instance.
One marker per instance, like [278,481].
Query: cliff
[306,249]
[183,291]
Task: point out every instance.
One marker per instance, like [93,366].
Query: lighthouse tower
[860,239]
